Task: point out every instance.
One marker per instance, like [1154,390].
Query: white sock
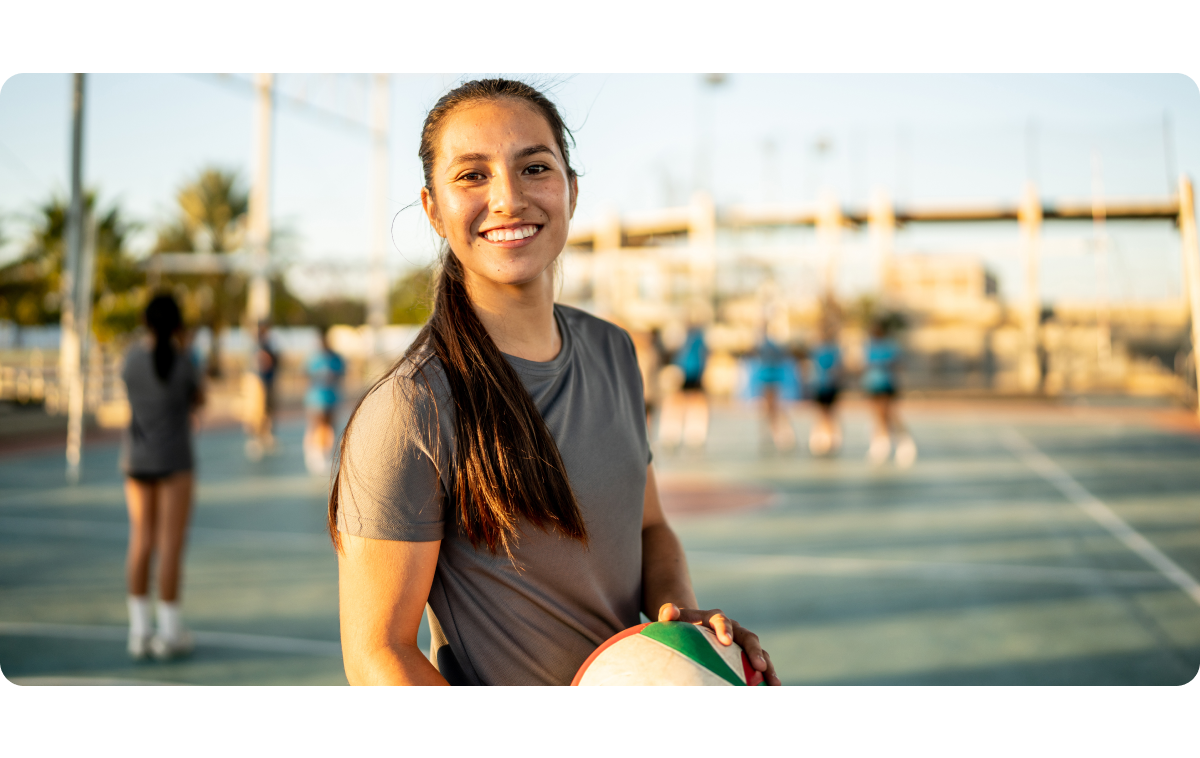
[139,615]
[170,622]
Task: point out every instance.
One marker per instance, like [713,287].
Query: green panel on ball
[689,640]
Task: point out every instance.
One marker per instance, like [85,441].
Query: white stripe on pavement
[1101,513]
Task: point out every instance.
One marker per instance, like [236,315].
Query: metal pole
[258,302]
[76,401]
[1103,328]
[1191,264]
[69,358]
[829,233]
[377,286]
[1029,216]
[881,223]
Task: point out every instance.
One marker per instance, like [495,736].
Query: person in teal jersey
[685,413]
[771,371]
[882,357]
[826,377]
[325,371]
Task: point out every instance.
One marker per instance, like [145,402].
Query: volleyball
[667,653]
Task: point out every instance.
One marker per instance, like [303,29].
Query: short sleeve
[388,482]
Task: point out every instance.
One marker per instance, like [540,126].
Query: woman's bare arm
[383,586]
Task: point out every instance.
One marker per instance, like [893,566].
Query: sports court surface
[1030,544]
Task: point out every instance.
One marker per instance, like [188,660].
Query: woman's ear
[431,213]
[574,195]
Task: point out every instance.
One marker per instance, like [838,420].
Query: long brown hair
[507,465]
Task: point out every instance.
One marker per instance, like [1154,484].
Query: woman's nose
[507,195]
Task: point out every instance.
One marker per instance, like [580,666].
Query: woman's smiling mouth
[514,234]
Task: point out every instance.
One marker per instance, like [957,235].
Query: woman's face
[501,195]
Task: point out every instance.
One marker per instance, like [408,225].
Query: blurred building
[741,271]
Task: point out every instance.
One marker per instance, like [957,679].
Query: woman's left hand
[728,631]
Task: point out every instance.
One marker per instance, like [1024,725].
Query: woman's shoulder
[416,383]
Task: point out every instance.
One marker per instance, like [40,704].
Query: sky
[642,142]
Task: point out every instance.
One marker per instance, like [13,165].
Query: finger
[723,626]
[672,612]
[770,675]
[750,645]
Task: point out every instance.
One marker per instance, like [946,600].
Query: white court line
[1101,513]
[823,565]
[257,642]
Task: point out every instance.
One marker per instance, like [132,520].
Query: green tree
[212,214]
[30,286]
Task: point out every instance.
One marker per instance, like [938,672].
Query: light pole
[76,292]
[258,301]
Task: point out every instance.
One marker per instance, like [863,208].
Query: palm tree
[211,218]
[213,208]
[30,285]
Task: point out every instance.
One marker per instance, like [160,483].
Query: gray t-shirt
[159,438]
[491,622]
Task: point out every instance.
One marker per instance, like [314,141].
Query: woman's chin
[516,276]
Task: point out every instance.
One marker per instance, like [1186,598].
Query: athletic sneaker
[139,646]
[165,649]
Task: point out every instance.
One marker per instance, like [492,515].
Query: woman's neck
[519,318]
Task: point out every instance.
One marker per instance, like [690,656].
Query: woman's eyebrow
[469,158]
[533,150]
[524,152]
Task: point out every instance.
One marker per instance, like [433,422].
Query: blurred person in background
[163,386]
[325,372]
[825,380]
[651,355]
[498,478]
[260,395]
[882,360]
[770,373]
[685,412]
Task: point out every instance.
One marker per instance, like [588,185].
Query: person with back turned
[163,387]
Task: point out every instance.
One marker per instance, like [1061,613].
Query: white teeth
[505,235]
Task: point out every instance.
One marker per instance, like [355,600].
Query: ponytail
[163,319]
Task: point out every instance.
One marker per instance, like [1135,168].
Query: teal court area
[1030,544]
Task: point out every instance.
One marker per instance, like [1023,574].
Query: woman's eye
[472,176]
[537,168]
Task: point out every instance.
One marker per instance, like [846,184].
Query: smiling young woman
[499,475]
